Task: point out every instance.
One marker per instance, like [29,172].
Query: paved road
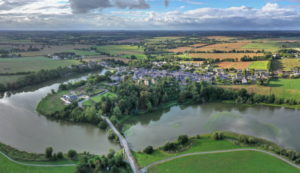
[144,170]
[35,165]
[125,145]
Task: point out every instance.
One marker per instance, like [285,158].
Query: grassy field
[32,64]
[224,46]
[7,166]
[282,88]
[125,51]
[51,103]
[5,79]
[198,145]
[234,162]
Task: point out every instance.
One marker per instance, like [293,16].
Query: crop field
[219,55]
[32,64]
[221,38]
[234,162]
[54,49]
[125,51]
[289,64]
[260,65]
[159,39]
[282,88]
[187,48]
[224,46]
[235,65]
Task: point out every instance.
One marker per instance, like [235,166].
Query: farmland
[282,88]
[224,46]
[31,64]
[235,65]
[289,64]
[125,51]
[220,56]
[267,46]
[234,162]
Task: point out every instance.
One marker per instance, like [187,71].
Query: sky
[149,14]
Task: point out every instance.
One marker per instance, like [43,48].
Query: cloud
[84,6]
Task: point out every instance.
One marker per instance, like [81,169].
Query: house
[244,81]
[68,99]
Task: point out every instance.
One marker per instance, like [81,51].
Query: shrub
[183,139]
[169,146]
[148,150]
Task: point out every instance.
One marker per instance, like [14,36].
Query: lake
[279,125]
[23,128]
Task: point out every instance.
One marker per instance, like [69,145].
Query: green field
[267,46]
[198,145]
[260,65]
[7,166]
[32,64]
[233,162]
[125,51]
[51,103]
[97,99]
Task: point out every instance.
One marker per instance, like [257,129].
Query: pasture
[32,64]
[288,64]
[233,162]
[125,51]
[262,45]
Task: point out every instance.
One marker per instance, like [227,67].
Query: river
[23,128]
[279,125]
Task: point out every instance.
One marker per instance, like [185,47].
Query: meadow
[125,51]
[262,45]
[32,64]
[51,103]
[233,162]
[7,166]
[97,98]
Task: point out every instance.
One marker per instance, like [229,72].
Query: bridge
[124,145]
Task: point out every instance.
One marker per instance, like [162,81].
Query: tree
[148,150]
[183,139]
[60,155]
[217,136]
[72,154]
[48,152]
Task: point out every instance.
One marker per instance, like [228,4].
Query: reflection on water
[276,124]
[22,128]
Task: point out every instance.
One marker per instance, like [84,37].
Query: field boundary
[35,165]
[144,170]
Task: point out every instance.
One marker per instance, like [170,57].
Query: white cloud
[57,14]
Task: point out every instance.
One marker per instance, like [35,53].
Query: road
[125,145]
[144,170]
[35,165]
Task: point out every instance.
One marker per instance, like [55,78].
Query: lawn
[198,145]
[51,103]
[233,162]
[32,64]
[7,166]
[125,51]
[282,88]
[97,98]
[260,65]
